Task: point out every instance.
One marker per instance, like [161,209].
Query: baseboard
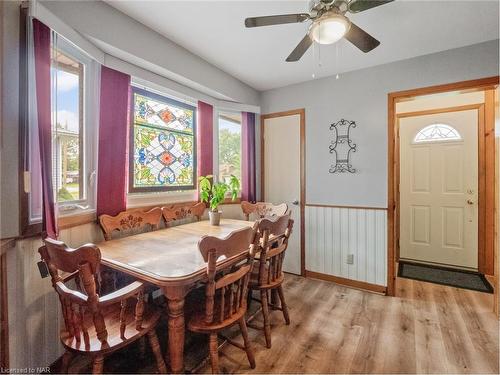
[380,289]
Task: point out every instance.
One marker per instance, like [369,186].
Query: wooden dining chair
[126,223]
[267,275]
[263,209]
[229,265]
[130,222]
[97,325]
[183,212]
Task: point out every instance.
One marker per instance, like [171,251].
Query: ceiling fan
[329,24]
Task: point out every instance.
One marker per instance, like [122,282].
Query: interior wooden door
[439,188]
[282,176]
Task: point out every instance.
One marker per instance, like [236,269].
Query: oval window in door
[437,132]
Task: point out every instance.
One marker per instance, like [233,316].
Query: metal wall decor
[342,146]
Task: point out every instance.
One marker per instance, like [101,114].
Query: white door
[282,176]
[438,188]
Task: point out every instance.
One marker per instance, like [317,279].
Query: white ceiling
[214,30]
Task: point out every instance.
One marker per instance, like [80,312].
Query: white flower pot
[214,217]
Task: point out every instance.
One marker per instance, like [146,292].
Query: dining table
[168,258]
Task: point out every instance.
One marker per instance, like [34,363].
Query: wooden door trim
[486,84]
[302,113]
[470,85]
[458,108]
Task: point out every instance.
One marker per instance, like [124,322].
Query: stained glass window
[163,143]
[437,132]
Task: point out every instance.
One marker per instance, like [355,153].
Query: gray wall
[362,96]
[129,39]
[9,32]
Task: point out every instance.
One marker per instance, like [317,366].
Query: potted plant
[214,193]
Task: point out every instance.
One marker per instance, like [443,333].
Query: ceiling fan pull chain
[319,56]
[337,60]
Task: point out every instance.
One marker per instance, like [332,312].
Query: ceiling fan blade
[301,48]
[357,6]
[276,20]
[361,39]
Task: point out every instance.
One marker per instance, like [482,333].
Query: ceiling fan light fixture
[329,29]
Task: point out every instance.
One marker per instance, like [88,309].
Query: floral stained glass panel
[148,111]
[163,143]
[162,158]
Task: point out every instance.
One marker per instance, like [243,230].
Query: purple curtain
[205,139]
[248,179]
[41,42]
[113,139]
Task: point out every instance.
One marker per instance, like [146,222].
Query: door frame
[302,113]
[488,85]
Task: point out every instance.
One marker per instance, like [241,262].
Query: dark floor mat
[445,276]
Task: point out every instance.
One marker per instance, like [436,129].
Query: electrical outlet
[350,258]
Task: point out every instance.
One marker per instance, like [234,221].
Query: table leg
[176,327]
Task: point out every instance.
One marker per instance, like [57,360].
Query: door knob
[470,201]
[295,202]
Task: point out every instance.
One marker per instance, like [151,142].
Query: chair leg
[274,299]
[246,341]
[284,306]
[265,314]
[97,365]
[155,347]
[214,352]
[142,347]
[249,298]
[66,359]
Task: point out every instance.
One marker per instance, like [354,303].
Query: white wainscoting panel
[34,310]
[333,233]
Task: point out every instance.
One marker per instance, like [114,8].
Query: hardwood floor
[426,328]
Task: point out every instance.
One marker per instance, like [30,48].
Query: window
[229,145]
[163,144]
[74,78]
[437,132]
[67,76]
[74,111]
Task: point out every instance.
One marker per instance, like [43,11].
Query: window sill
[65,221]
[230,201]
[141,200]
[74,219]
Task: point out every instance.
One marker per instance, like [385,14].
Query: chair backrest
[130,222]
[85,262]
[263,209]
[228,277]
[274,234]
[183,212]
